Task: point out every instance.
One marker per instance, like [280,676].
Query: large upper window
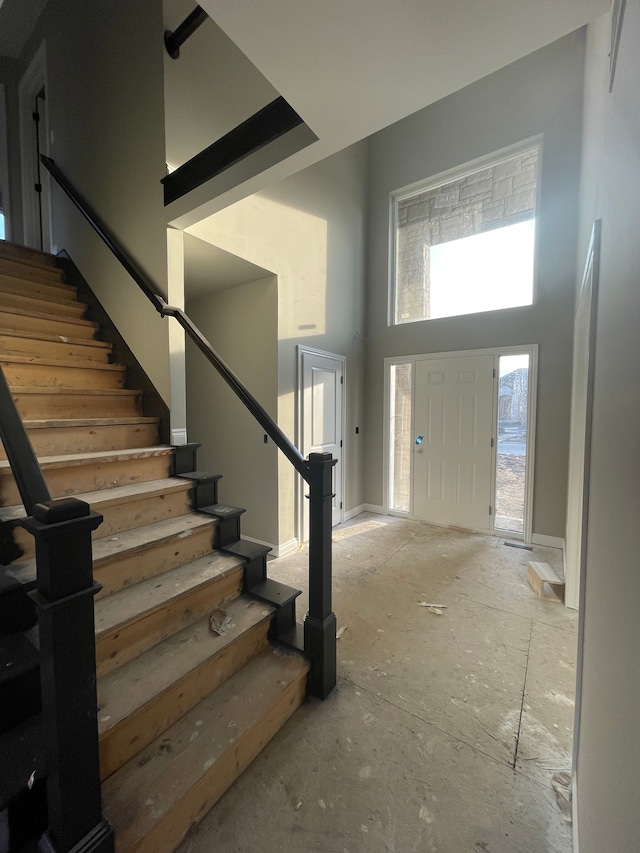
[466,244]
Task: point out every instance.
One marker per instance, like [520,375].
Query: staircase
[182,708]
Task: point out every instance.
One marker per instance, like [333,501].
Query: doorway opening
[321,413]
[459,438]
[34,141]
[5,227]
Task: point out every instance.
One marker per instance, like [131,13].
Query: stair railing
[319,634]
[174,40]
[64,600]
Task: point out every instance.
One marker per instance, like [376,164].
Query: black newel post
[64,597]
[320,621]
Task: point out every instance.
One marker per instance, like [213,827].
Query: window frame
[446,177]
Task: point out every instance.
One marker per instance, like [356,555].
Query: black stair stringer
[19,680]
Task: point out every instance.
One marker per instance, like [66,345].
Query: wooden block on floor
[545,582]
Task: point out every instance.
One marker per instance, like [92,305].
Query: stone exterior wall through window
[493,197]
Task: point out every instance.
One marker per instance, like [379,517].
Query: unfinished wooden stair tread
[95,457]
[41,286]
[53,338]
[122,508]
[27,268]
[144,552]
[132,620]
[34,257]
[39,321]
[75,473]
[48,423]
[154,800]
[140,699]
[60,373]
[40,345]
[90,434]
[54,307]
[55,403]
[104,498]
[119,561]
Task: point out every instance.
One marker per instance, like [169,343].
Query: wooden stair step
[56,436]
[51,307]
[140,700]
[131,621]
[32,321]
[72,474]
[122,508]
[34,403]
[18,278]
[33,257]
[153,801]
[135,555]
[15,342]
[28,371]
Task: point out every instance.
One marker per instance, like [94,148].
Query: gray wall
[541,93]
[609,741]
[309,230]
[105,106]
[242,325]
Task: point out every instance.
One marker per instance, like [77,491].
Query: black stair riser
[27,817]
[9,551]
[19,697]
[17,610]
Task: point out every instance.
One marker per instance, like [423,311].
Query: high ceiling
[352,68]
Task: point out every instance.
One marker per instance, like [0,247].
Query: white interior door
[322,389]
[452,455]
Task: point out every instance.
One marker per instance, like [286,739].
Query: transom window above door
[465,242]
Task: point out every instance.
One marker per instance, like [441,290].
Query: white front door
[322,389]
[453,426]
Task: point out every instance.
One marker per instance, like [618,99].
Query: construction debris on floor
[448,732]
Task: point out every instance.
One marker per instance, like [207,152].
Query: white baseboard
[357,510]
[276,550]
[379,510]
[548,541]
[178,436]
[351,513]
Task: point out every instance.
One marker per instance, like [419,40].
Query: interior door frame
[33,80]
[581,422]
[4,165]
[529,349]
[300,416]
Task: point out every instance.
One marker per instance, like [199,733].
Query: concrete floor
[416,748]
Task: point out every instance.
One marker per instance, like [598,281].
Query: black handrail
[173,40]
[162,307]
[319,638]
[21,455]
